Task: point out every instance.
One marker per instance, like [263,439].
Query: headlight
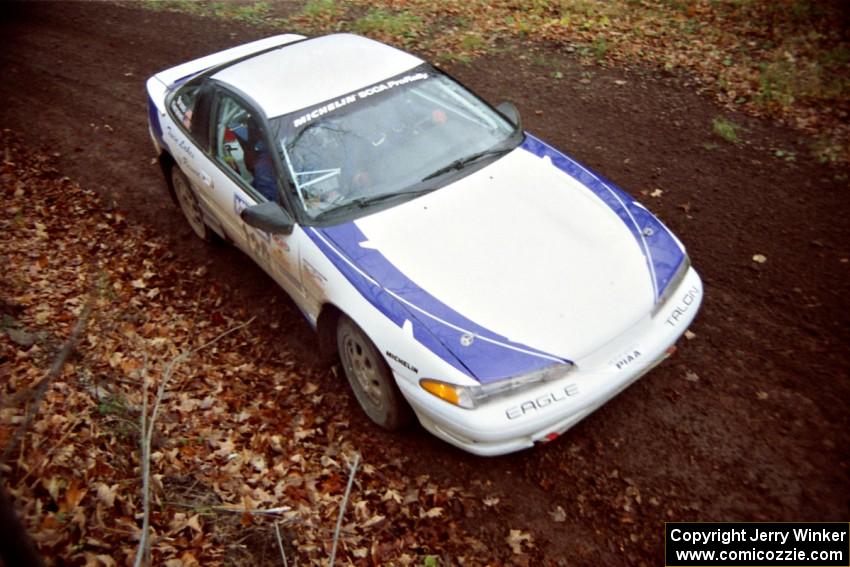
[470,397]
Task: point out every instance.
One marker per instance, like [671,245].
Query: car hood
[516,266]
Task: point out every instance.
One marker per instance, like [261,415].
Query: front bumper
[540,414]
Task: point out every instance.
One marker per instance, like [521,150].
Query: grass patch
[599,47]
[112,405]
[450,57]
[384,24]
[726,129]
[827,151]
[786,155]
[320,8]
[254,14]
[473,42]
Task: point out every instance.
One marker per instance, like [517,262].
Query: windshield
[387,143]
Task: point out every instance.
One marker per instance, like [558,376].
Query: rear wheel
[189,203]
[370,377]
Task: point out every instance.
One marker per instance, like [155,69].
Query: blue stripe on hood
[662,252]
[438,327]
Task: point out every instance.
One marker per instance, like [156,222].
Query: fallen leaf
[434,512]
[391,494]
[106,493]
[373,520]
[759,258]
[195,523]
[558,514]
[73,496]
[515,540]
[490,501]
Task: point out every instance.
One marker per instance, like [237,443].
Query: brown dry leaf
[434,512]
[516,538]
[107,494]
[376,519]
[490,501]
[558,514]
[391,494]
[73,496]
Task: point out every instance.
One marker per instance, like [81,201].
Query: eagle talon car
[466,273]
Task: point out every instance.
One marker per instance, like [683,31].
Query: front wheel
[189,203]
[370,377]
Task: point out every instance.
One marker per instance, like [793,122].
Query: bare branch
[343,505]
[17,547]
[58,445]
[280,544]
[55,369]
[148,424]
[143,538]
[172,365]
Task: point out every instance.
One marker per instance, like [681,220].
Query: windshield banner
[411,76]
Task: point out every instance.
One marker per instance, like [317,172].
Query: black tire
[370,378]
[188,203]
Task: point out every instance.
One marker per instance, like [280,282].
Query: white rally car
[466,272]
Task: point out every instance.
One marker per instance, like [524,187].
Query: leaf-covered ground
[238,445]
[787,59]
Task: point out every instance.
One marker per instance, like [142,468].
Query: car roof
[308,72]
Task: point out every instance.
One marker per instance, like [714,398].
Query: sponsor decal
[348,99]
[280,240]
[322,110]
[314,273]
[626,358]
[181,143]
[685,304]
[402,362]
[186,153]
[239,204]
[540,402]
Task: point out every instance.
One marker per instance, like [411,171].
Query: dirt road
[748,422]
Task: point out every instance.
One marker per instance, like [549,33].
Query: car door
[242,173]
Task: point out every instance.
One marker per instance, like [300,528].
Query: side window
[241,147]
[190,107]
[183,105]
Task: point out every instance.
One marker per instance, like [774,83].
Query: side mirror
[268,217]
[510,112]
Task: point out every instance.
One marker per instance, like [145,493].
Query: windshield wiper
[459,164]
[364,202]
